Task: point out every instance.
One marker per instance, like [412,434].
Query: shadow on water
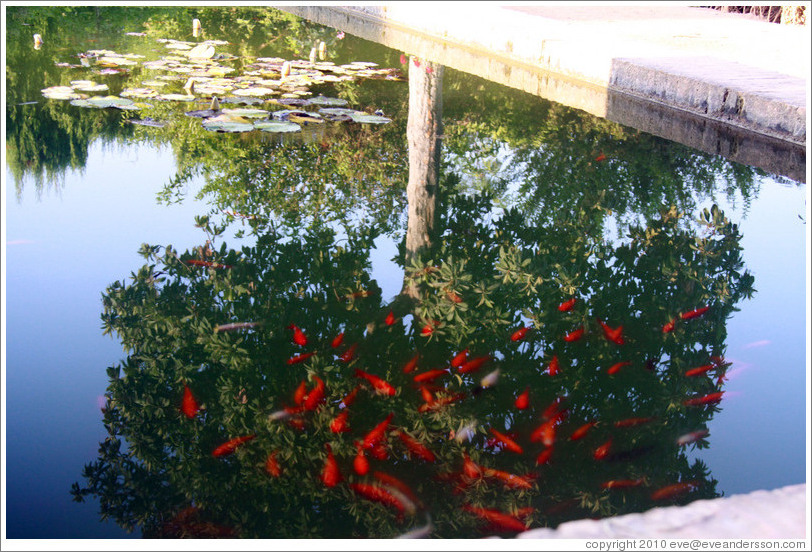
[531,371]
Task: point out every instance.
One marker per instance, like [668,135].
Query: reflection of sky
[65,248]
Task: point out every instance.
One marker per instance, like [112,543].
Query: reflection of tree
[489,276]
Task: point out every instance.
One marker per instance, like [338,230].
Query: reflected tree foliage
[489,275]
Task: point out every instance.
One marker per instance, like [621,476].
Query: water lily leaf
[138,93]
[60,93]
[244,100]
[258,91]
[111,71]
[248,113]
[103,102]
[114,61]
[178,46]
[227,123]
[324,100]
[307,118]
[155,83]
[204,113]
[338,111]
[88,86]
[367,118]
[291,101]
[284,114]
[277,126]
[176,97]
[201,51]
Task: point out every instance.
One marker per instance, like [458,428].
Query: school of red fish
[374,441]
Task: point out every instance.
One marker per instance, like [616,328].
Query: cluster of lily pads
[269,81]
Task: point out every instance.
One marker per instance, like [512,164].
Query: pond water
[547,317]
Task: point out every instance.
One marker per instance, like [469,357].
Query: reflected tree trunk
[423,132]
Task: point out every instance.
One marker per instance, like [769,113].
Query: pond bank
[722,83]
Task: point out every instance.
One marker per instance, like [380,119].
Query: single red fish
[453,296]
[554,368]
[519,334]
[390,318]
[600,158]
[339,423]
[581,432]
[296,359]
[473,365]
[316,395]
[438,403]
[496,518]
[602,451]
[612,334]
[509,443]
[669,326]
[694,313]
[360,464]
[427,330]
[395,483]
[692,437]
[300,393]
[672,491]
[379,452]
[629,422]
[416,447]
[470,468]
[426,394]
[377,433]
[230,446]
[545,433]
[574,335]
[459,359]
[509,479]
[337,340]
[705,399]
[544,456]
[379,494]
[566,306]
[411,365]
[350,398]
[272,466]
[209,264]
[431,375]
[381,386]
[299,338]
[552,410]
[615,368]
[189,405]
[349,354]
[330,475]
[523,400]
[700,370]
[621,483]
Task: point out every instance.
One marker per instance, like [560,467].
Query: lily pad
[204,113]
[176,97]
[248,113]
[307,118]
[227,123]
[201,51]
[103,102]
[368,118]
[277,126]
[155,83]
[60,93]
[88,86]
[258,91]
[324,100]
[139,93]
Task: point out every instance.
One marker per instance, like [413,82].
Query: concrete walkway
[724,83]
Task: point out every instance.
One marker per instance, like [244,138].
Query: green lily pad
[227,123]
[324,100]
[204,113]
[103,102]
[176,97]
[277,126]
[367,118]
[248,113]
[139,93]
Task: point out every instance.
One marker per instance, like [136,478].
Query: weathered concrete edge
[738,107]
[776,514]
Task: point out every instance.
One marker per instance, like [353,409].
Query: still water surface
[324,218]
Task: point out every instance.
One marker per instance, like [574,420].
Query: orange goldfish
[566,306]
[574,335]
[612,334]
[379,494]
[700,370]
[296,359]
[189,405]
[360,464]
[272,466]
[337,340]
[629,422]
[600,158]
[330,475]
[523,400]
[350,398]
[545,433]
[519,334]
[602,451]
[615,368]
[349,354]
[705,399]
[395,483]
[621,483]
[230,446]
[300,393]
[509,443]
[554,368]
[473,365]
[316,395]
[379,452]
[441,402]
[470,468]
[431,375]
[377,432]
[411,365]
[669,326]
[299,338]
[390,318]
[672,491]
[544,456]
[459,359]
[694,313]
[509,479]
[427,330]
[453,296]
[380,385]
[692,437]
[416,447]
[496,518]
[582,431]
[339,423]
[234,326]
